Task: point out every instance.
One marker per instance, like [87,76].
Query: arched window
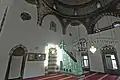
[16,64]
[85,61]
[110,60]
[53,26]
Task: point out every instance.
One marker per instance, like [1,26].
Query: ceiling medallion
[93,49]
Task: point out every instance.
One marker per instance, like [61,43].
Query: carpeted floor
[89,76]
[99,76]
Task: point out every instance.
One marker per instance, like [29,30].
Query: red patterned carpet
[91,76]
[99,76]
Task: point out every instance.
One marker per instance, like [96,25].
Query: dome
[74,2]
[67,2]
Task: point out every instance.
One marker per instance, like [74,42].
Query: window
[53,26]
[85,61]
[114,64]
[111,61]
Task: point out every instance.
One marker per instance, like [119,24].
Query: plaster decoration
[103,41]
[42,11]
[97,18]
[45,7]
[50,2]
[108,49]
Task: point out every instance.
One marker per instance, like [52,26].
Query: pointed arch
[52,18]
[100,16]
[19,46]
[16,63]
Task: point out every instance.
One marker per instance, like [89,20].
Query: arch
[53,18]
[20,46]
[76,30]
[16,63]
[98,17]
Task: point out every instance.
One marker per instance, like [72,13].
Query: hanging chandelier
[93,49]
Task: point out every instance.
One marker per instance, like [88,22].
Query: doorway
[16,63]
[110,60]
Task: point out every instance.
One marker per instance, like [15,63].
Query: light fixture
[98,4]
[39,55]
[93,49]
[116,24]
